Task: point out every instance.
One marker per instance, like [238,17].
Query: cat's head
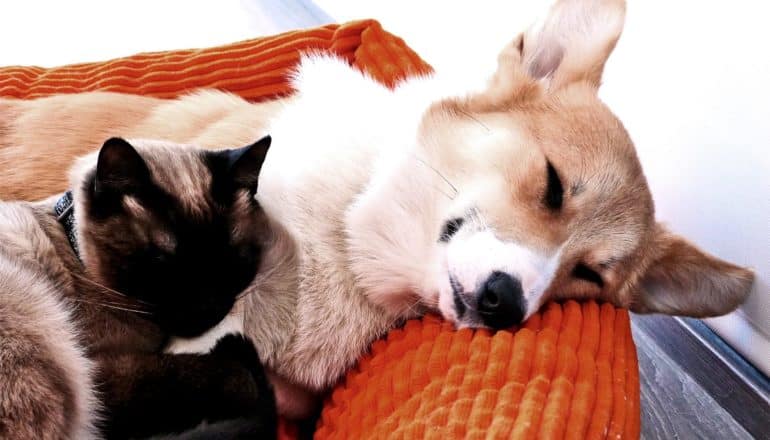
[175,226]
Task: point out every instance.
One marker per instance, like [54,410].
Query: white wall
[52,32]
[691,81]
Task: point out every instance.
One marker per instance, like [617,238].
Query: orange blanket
[569,372]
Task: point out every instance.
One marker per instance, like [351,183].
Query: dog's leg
[151,394]
[293,401]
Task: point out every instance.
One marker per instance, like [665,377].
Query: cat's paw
[239,348]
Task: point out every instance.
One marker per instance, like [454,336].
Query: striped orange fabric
[254,69]
[569,372]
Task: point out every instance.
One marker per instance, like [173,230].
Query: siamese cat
[155,240]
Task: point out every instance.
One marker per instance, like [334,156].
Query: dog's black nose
[501,301]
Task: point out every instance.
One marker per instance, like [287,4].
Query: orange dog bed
[254,69]
[569,372]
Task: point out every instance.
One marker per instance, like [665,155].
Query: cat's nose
[500,301]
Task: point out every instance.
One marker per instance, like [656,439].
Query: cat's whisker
[115,300]
[107,289]
[112,306]
[124,305]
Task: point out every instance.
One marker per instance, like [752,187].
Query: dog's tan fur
[40,139]
[362,179]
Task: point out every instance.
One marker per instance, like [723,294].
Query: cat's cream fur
[46,390]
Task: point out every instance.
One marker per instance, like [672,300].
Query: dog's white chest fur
[320,165]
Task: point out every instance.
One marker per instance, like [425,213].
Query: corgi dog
[478,200]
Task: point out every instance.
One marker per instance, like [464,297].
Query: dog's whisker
[481,218]
[463,112]
[458,291]
[431,302]
[413,306]
[475,216]
[406,312]
[438,173]
[440,191]
[465,303]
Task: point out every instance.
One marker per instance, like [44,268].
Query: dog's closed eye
[554,192]
[450,228]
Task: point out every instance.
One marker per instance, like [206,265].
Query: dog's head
[550,199]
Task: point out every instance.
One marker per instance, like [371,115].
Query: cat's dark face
[176,227]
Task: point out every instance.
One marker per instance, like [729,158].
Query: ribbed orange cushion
[254,69]
[570,372]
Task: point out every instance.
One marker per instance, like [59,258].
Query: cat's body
[45,367]
[80,360]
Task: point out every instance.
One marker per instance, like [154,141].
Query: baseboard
[738,387]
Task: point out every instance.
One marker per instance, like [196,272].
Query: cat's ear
[246,162]
[120,169]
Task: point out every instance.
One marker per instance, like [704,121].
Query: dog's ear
[684,280]
[570,44]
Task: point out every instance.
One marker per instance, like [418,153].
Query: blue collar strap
[64,210]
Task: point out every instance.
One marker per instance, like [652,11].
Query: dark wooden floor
[688,392]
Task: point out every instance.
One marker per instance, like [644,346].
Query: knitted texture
[570,372]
